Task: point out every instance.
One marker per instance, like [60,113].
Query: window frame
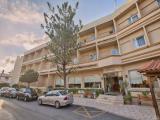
[158,2]
[131,20]
[92,37]
[91,57]
[142,85]
[135,42]
[115,51]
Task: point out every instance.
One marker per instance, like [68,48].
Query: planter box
[147,100]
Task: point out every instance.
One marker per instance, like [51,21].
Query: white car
[3,90]
[57,98]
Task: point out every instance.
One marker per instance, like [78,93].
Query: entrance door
[112,83]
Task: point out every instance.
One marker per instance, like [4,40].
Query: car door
[52,99]
[47,97]
[20,93]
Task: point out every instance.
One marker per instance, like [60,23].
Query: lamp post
[2,74]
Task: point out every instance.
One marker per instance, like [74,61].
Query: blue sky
[20,23]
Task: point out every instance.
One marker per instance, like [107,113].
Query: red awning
[151,67]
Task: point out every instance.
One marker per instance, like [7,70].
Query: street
[32,111]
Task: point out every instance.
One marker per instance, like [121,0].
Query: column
[146,36]
[102,82]
[115,27]
[82,83]
[97,49]
[139,13]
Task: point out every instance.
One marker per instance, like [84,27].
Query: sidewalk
[130,111]
[4,115]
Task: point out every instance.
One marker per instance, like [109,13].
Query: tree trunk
[65,81]
[65,76]
[28,85]
[155,105]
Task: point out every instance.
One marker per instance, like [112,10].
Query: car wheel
[57,104]
[40,102]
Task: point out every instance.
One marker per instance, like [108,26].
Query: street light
[2,74]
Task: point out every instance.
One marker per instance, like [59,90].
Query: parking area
[31,110]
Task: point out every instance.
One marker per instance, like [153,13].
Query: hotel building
[112,50]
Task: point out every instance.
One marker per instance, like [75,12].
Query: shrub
[86,91]
[4,85]
[17,86]
[145,93]
[128,98]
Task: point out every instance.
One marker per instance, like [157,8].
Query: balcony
[149,7]
[87,59]
[104,34]
[110,60]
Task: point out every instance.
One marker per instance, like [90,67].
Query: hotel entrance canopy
[152,71]
[152,67]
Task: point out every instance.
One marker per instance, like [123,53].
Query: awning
[92,79]
[74,80]
[151,67]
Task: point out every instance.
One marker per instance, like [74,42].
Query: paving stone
[130,111]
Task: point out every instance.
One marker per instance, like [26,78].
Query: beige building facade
[112,50]
[16,72]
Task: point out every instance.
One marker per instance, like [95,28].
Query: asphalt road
[32,111]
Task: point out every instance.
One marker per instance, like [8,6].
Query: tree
[63,34]
[29,76]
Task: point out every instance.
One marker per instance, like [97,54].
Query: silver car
[57,98]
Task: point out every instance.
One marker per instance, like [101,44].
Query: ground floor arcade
[108,78]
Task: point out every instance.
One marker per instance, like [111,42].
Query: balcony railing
[104,34]
[87,59]
[110,60]
[152,6]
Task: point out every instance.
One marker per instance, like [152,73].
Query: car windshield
[29,90]
[63,92]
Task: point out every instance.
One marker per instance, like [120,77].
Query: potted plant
[128,98]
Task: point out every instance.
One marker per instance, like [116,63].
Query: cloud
[21,13]
[26,40]
[7,63]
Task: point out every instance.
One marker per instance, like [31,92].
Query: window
[115,52]
[133,19]
[49,93]
[137,79]
[75,61]
[92,82]
[59,83]
[139,42]
[158,2]
[74,82]
[63,92]
[92,37]
[93,57]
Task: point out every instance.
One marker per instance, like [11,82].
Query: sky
[20,22]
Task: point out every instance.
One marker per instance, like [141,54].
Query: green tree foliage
[4,85]
[30,76]
[63,34]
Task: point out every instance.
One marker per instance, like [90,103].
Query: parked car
[11,93]
[57,98]
[27,94]
[0,91]
[3,91]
